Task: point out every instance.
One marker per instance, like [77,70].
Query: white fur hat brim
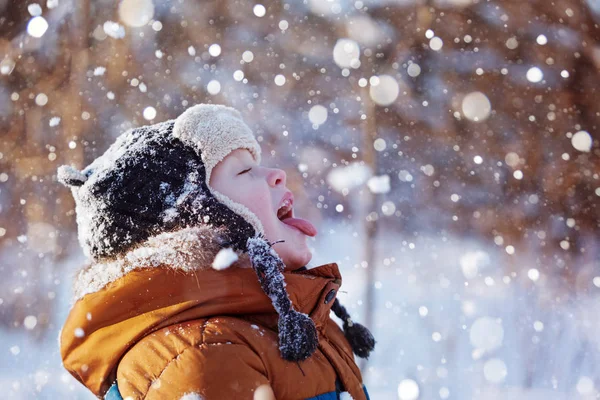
[214,131]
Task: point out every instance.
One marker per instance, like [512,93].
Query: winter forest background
[447,151]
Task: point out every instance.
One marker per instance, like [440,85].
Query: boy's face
[261,190]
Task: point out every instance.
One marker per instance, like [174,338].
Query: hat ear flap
[298,338]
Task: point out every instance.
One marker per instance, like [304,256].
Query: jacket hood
[167,280]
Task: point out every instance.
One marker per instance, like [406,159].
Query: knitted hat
[154,179]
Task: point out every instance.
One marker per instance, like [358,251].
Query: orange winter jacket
[161,323]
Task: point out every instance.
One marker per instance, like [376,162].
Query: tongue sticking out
[302,225]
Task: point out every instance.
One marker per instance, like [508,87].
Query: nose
[277,177]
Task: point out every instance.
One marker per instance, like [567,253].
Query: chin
[297,259]
[294,252]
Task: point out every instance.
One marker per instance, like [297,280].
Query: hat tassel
[360,338]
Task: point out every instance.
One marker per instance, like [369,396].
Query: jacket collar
[168,280]
[190,252]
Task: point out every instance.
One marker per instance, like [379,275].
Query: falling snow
[447,151]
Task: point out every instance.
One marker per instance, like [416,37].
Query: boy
[177,220]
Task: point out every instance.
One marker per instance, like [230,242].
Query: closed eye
[246,170]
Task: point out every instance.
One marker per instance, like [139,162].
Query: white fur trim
[187,249]
[215,130]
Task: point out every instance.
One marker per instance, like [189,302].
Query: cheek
[257,199]
[259,203]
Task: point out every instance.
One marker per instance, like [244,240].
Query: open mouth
[286,215]
[285,211]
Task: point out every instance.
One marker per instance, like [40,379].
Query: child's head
[203,168]
[263,189]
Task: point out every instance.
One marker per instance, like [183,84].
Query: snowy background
[447,151]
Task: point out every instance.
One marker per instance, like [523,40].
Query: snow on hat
[154,178]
